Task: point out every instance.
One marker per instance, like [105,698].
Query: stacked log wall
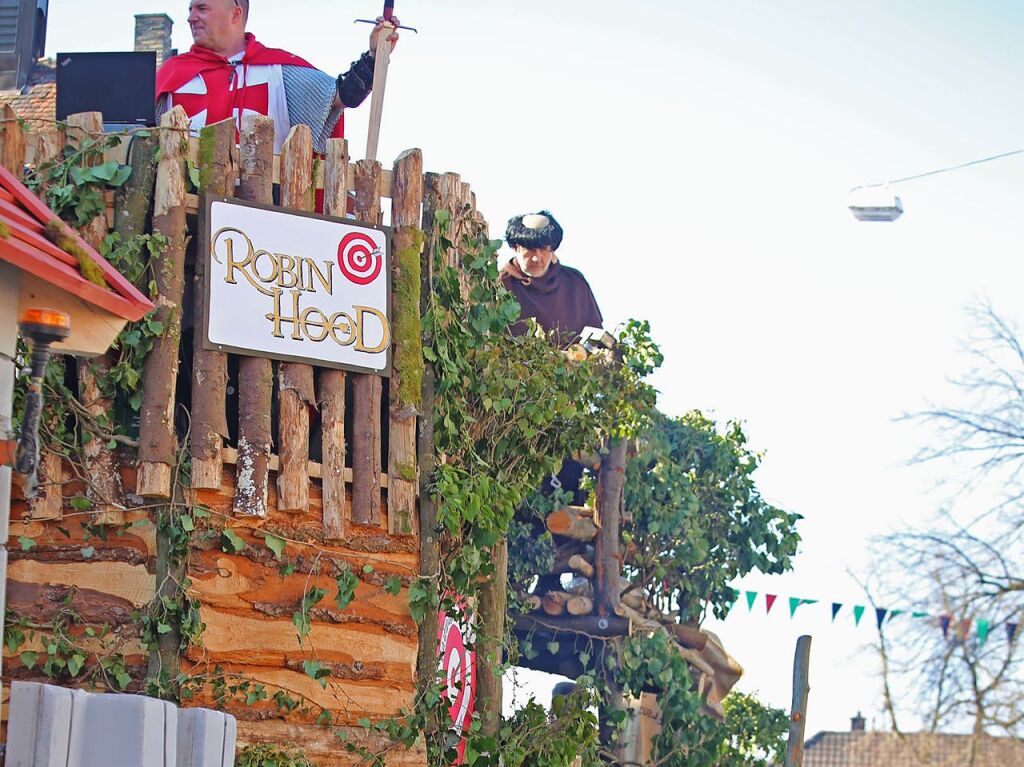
[107,569]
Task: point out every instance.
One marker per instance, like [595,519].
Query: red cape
[179,70]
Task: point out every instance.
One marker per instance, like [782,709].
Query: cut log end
[553,602]
[572,522]
[154,480]
[207,473]
[579,605]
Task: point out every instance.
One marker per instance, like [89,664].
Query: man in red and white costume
[227,73]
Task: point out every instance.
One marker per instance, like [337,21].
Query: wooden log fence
[255,374]
[351,502]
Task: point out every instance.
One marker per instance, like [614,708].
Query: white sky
[698,156]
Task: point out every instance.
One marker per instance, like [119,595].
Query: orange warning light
[50,318]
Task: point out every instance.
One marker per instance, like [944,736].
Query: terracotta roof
[38,103]
[26,246]
[887,749]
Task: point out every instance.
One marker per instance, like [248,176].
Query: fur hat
[534,230]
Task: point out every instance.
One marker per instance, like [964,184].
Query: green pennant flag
[982,631]
[919,615]
[751,599]
[794,602]
[894,613]
[858,613]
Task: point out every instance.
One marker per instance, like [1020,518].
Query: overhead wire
[937,171]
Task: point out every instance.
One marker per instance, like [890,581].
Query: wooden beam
[588,625]
[332,382]
[493,608]
[366,388]
[798,713]
[430,543]
[405,314]
[105,489]
[313,469]
[217,175]
[255,374]
[610,484]
[158,443]
[296,395]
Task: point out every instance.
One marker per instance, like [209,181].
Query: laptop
[121,85]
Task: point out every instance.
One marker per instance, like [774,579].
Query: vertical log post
[218,170]
[607,567]
[105,490]
[255,374]
[295,380]
[798,714]
[493,608]
[430,547]
[366,389]
[49,503]
[12,142]
[407,360]
[611,483]
[157,441]
[332,382]
[450,188]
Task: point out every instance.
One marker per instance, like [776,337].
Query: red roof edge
[123,299]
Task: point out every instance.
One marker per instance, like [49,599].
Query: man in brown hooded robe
[557,296]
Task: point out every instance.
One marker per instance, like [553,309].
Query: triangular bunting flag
[1011,631]
[836,607]
[880,613]
[794,602]
[919,615]
[858,613]
[983,627]
[751,598]
[944,621]
[769,600]
[894,613]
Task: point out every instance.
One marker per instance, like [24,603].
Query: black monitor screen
[120,85]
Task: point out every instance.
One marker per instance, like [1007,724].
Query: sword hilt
[396,26]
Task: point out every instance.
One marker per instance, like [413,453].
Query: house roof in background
[889,749]
[37,104]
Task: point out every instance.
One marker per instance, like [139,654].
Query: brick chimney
[153,33]
[857,723]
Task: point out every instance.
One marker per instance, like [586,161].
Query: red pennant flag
[944,622]
[769,600]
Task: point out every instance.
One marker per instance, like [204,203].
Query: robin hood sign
[297,287]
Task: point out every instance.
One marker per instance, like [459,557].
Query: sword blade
[380,77]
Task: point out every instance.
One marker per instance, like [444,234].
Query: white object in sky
[875,203]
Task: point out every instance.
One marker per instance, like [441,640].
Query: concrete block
[206,738]
[122,731]
[39,725]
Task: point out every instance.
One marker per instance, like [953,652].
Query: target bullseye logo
[359,258]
